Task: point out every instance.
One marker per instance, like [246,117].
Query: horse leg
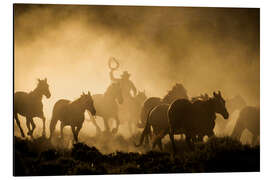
[77,131]
[43,121]
[106,124]
[98,130]
[61,130]
[189,138]
[254,140]
[160,144]
[155,138]
[171,134]
[114,131]
[149,137]
[28,126]
[19,124]
[237,132]
[33,126]
[74,133]
[158,139]
[52,126]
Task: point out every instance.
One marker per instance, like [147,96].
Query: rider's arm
[112,76]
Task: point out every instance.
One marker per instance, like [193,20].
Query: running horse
[192,119]
[159,104]
[177,92]
[71,114]
[134,110]
[30,105]
[249,118]
[157,120]
[107,106]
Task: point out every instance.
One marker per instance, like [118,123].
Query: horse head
[141,96]
[220,105]
[43,87]
[88,103]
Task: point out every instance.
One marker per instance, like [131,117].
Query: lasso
[110,63]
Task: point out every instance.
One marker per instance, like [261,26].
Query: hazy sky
[206,49]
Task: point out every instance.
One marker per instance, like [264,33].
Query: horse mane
[199,100]
[208,104]
[76,100]
[35,91]
[177,91]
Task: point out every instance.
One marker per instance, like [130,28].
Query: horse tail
[146,131]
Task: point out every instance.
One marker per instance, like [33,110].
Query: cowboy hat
[125,74]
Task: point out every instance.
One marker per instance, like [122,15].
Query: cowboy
[125,83]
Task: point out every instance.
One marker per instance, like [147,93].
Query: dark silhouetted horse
[158,120]
[71,114]
[30,105]
[107,107]
[249,118]
[197,118]
[177,92]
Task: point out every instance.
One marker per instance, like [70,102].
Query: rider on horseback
[125,83]
[125,111]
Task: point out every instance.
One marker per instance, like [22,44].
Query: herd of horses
[174,114]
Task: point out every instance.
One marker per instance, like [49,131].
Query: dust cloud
[205,49]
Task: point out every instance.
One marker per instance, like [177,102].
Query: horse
[197,118]
[107,107]
[71,114]
[133,114]
[249,118]
[233,104]
[158,120]
[30,105]
[178,91]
